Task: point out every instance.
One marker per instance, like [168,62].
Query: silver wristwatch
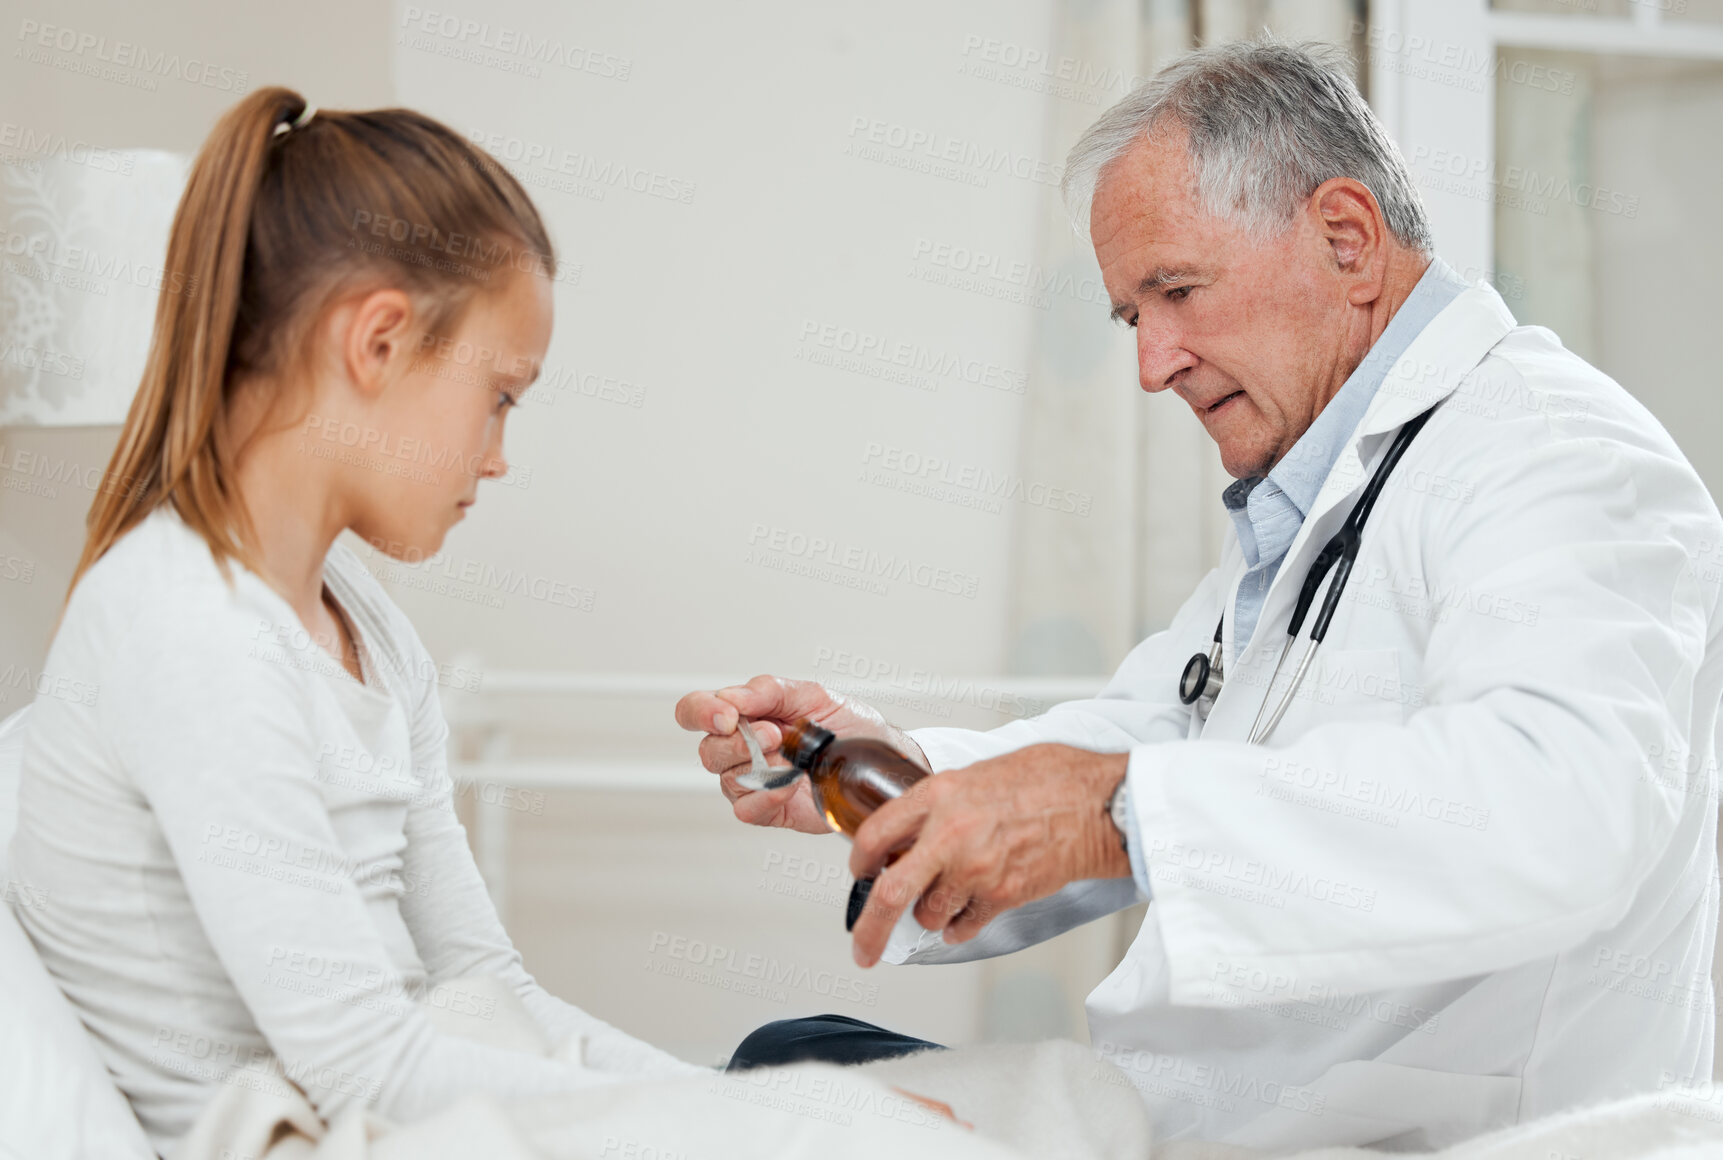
[1119,810]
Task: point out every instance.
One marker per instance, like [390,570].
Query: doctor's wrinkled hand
[985,839]
[772,703]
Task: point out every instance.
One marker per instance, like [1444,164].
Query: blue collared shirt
[1269,510]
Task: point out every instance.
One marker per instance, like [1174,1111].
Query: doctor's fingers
[973,871]
[894,826]
[778,698]
[942,902]
[893,892]
[968,924]
[728,786]
[722,754]
[704,711]
[766,807]
[765,698]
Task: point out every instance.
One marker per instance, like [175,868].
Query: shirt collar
[1301,472]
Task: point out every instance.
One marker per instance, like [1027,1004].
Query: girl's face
[437,430]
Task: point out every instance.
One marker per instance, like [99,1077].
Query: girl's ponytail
[168,448]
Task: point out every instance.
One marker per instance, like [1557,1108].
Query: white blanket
[811,1110]
[1022,1102]
[1040,1099]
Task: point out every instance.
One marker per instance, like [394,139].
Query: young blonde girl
[248,832]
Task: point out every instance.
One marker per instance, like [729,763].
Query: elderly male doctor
[1469,877]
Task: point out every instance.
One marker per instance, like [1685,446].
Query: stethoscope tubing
[1338,556]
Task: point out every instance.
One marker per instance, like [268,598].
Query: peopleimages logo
[44,361]
[974,486]
[1207,1085]
[459,33]
[1456,65]
[125,54]
[798,553]
[1264,882]
[46,146]
[1036,70]
[910,362]
[932,145]
[1384,795]
[58,259]
[45,684]
[719,965]
[600,173]
[1000,276]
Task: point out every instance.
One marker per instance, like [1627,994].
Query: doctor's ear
[374,336]
[1351,222]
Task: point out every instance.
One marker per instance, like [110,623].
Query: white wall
[702,307]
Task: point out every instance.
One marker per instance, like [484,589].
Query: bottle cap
[803,742]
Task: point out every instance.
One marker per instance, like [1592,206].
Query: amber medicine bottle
[851,778]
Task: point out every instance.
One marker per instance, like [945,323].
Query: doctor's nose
[1160,358]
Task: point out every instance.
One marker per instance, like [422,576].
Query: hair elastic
[298,122]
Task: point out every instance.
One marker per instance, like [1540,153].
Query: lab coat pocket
[1367,1101]
[1352,685]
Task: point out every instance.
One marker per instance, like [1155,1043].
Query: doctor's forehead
[1148,225]
[1145,221]
[1151,179]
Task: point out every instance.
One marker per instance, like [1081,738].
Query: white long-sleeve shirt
[248,852]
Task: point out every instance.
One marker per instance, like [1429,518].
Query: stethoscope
[1202,678]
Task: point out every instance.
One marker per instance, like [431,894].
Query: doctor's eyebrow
[1159,277]
[1166,276]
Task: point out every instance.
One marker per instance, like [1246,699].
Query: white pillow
[56,1100]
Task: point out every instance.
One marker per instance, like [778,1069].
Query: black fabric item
[822,1039]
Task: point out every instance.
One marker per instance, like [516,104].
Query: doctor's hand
[772,703]
[987,838]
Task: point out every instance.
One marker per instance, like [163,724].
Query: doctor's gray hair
[1266,123]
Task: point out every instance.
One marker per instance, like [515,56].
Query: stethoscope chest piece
[1202,678]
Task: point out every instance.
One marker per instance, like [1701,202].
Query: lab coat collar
[1444,353]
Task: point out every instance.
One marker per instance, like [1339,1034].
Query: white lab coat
[1472,877]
